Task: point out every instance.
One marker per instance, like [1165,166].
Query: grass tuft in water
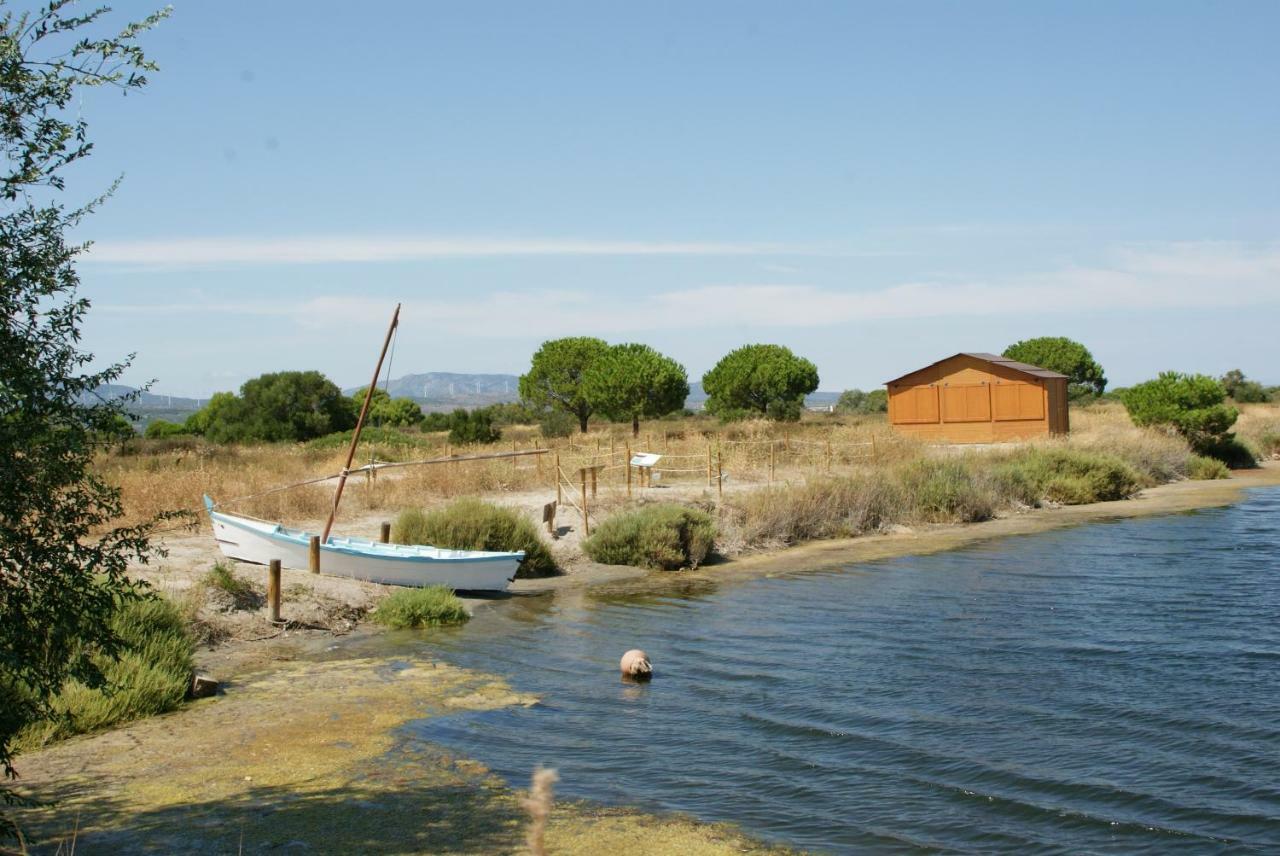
[432,606]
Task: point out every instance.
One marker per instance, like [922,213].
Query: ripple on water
[1107,688]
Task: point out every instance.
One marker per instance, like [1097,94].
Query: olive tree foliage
[63,566]
[633,381]
[1244,391]
[1085,377]
[555,377]
[280,406]
[858,401]
[387,411]
[1193,405]
[764,380]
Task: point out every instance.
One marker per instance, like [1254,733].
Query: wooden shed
[979,398]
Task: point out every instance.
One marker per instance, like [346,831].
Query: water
[1112,688]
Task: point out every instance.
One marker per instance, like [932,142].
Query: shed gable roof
[995,359]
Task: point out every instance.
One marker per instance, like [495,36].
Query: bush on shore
[663,537]
[151,676]
[928,490]
[432,606]
[1201,468]
[472,524]
[1066,476]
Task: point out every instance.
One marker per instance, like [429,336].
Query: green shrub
[475,426]
[1204,469]
[1192,405]
[1231,450]
[1067,476]
[666,537]
[857,401]
[945,491]
[151,676]
[385,440]
[431,606]
[471,524]
[556,423]
[160,429]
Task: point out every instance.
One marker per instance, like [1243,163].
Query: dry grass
[832,475]
[1259,426]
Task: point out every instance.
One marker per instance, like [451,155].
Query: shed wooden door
[966,402]
[1017,401]
[916,404]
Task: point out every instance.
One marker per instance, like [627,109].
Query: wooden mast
[355,435]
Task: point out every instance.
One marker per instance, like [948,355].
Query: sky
[874,185]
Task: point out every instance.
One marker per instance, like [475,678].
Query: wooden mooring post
[385,535]
[273,591]
[313,554]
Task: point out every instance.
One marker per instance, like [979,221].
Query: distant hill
[146,401]
[433,390]
[447,390]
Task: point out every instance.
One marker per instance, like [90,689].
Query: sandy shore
[306,750]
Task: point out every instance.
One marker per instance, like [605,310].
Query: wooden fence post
[594,470]
[708,464]
[385,535]
[586,522]
[314,554]
[720,476]
[273,590]
[628,470]
[556,475]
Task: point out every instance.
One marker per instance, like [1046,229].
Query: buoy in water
[635,665]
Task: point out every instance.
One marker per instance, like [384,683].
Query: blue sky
[874,185]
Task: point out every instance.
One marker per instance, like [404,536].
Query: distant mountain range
[446,390]
[147,400]
[433,390]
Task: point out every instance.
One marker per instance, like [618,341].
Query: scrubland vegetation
[666,536]
[150,675]
[472,524]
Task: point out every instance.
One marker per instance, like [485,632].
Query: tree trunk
[582,422]
[635,426]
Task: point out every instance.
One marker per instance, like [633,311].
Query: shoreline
[309,740]
[1171,498]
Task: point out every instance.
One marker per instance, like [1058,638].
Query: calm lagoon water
[1109,688]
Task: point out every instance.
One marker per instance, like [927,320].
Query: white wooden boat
[248,540]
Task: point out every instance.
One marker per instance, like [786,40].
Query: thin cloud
[1177,276]
[181,253]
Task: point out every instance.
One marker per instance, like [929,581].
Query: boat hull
[248,540]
